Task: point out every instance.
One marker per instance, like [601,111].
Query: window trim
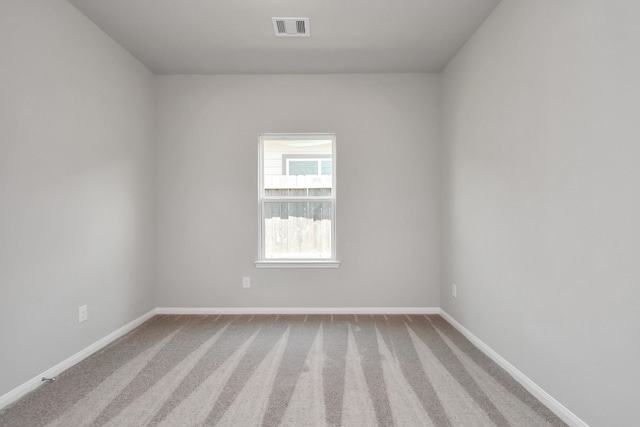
[263,262]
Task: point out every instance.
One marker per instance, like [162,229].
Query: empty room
[319,213]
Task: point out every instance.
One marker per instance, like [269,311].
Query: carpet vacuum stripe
[284,370]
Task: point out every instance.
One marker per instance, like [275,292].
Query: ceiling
[237,37]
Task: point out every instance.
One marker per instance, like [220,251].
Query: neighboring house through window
[297,200]
[301,164]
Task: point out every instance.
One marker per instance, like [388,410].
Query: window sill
[297,264]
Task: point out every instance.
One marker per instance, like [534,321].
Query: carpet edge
[25,388]
[545,398]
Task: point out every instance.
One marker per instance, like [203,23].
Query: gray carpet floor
[288,370]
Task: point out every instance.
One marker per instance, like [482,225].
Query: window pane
[294,168]
[297,230]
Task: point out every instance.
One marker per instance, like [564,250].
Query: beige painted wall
[76,186]
[541,198]
[387,187]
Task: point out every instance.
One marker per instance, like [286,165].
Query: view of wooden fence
[297,229]
[297,181]
[297,237]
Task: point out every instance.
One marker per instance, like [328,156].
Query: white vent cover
[291,27]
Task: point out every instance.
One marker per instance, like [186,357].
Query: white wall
[387,188]
[76,175]
[541,206]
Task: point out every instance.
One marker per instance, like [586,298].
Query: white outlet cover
[246,282]
[82,313]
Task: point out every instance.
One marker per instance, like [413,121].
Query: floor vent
[291,27]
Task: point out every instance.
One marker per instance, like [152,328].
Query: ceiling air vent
[291,27]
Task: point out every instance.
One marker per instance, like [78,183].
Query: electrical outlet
[246,282]
[454,291]
[82,313]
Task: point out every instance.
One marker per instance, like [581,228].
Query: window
[297,200]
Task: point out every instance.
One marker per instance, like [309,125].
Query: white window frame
[263,262]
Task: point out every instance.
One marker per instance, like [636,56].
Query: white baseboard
[35,382]
[298,310]
[560,410]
